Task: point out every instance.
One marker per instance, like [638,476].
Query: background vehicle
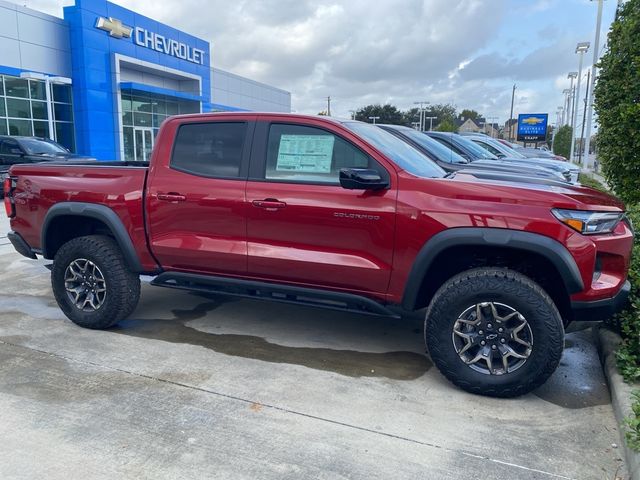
[501,150]
[17,149]
[450,161]
[537,153]
[338,214]
[465,147]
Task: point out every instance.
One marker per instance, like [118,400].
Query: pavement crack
[252,403]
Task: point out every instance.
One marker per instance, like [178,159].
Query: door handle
[171,197]
[270,204]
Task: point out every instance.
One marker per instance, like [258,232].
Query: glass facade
[23,110]
[142,115]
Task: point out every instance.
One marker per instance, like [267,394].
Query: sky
[466,52]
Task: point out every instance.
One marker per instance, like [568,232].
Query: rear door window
[212,149]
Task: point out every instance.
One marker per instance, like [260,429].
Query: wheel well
[457,259]
[67,227]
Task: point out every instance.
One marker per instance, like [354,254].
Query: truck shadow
[396,365]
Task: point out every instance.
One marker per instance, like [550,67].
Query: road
[196,386]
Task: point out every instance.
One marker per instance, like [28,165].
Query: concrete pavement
[198,386]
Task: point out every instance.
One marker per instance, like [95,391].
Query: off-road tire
[508,287]
[122,285]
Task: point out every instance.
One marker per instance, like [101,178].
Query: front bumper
[599,310]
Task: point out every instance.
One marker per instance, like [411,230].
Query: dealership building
[102,79]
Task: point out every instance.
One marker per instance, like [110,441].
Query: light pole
[513,96]
[431,119]
[48,80]
[596,45]
[374,119]
[353,114]
[422,103]
[581,49]
[572,76]
[491,125]
[565,106]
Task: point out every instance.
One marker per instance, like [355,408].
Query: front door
[142,144]
[302,226]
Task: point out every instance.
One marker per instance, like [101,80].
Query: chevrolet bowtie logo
[114,26]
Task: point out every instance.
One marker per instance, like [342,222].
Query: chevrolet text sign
[532,127]
[152,40]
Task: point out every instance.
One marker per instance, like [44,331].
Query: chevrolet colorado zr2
[335,214]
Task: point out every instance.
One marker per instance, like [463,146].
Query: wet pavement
[197,386]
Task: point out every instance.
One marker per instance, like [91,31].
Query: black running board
[274,292]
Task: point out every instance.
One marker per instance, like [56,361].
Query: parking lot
[198,386]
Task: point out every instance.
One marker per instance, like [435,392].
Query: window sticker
[305,153]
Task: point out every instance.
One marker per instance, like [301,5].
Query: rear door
[303,227]
[196,203]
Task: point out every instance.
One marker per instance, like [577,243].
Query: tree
[442,112]
[411,116]
[617,103]
[387,113]
[562,143]
[323,113]
[447,125]
[467,113]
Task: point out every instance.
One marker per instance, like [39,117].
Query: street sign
[532,127]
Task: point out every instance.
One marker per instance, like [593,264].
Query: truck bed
[120,185]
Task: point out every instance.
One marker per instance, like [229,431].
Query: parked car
[337,214]
[17,149]
[537,153]
[503,151]
[450,161]
[465,147]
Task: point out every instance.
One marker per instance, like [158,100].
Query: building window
[142,112]
[23,110]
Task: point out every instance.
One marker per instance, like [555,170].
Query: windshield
[34,146]
[442,152]
[510,152]
[405,156]
[475,149]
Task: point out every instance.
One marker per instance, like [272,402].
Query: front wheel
[495,332]
[92,283]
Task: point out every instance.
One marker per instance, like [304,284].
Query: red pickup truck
[336,214]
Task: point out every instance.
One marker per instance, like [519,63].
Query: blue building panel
[93,56]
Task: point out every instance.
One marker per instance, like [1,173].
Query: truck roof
[270,114]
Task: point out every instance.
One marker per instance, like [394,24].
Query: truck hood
[513,188]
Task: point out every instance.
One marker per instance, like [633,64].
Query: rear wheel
[92,283]
[495,332]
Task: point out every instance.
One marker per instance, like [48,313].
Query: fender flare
[549,248]
[98,212]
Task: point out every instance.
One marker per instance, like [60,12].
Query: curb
[607,343]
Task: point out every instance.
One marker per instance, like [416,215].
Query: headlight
[587,222]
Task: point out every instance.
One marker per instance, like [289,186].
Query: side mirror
[501,155]
[362,179]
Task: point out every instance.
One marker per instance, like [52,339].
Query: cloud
[466,52]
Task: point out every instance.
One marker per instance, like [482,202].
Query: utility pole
[584,118]
[353,114]
[513,96]
[581,49]
[596,46]
[374,119]
[328,106]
